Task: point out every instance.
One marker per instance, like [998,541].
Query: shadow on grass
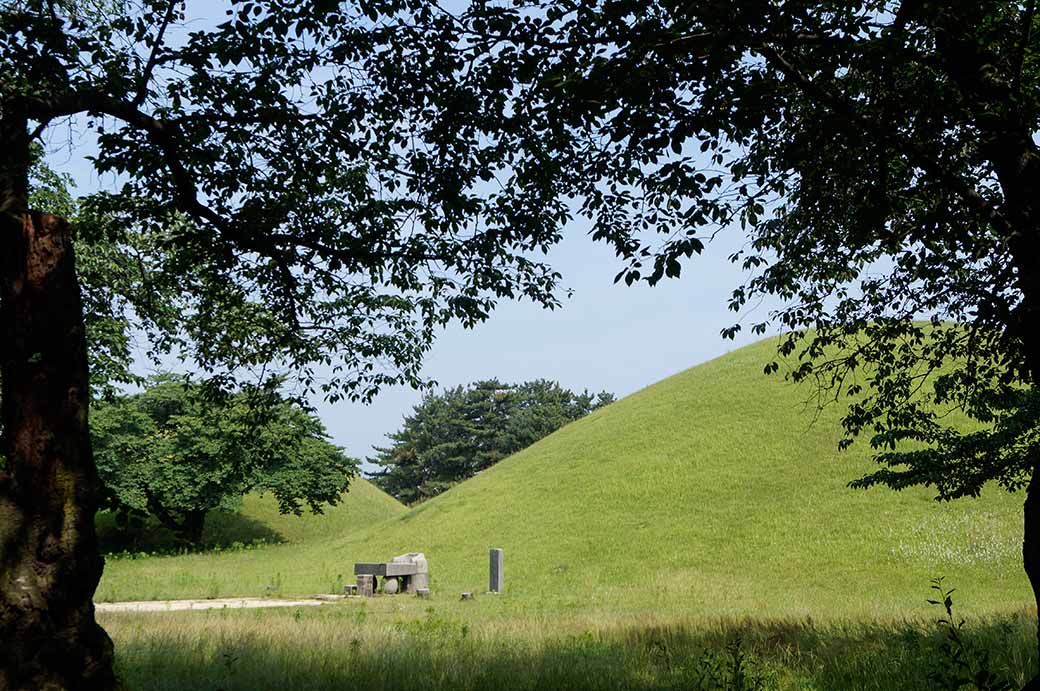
[336,649]
[223,529]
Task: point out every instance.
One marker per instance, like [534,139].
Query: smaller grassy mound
[259,521]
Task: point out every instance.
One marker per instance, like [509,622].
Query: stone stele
[496,574]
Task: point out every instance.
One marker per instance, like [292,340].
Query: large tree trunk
[1031,550]
[194,524]
[1018,167]
[49,561]
[1025,246]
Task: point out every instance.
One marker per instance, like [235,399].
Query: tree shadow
[224,529]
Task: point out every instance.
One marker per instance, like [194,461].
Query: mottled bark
[49,561]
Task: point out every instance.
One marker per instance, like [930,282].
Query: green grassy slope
[364,505]
[713,492]
[259,521]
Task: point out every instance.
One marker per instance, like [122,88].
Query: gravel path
[219,603]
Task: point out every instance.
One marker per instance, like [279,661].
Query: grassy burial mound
[364,505]
[717,491]
[259,522]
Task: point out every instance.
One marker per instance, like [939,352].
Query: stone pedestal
[419,578]
[366,585]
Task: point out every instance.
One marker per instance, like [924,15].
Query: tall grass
[347,648]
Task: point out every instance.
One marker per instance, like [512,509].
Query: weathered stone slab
[369,569]
[385,569]
[397,569]
[420,579]
[411,571]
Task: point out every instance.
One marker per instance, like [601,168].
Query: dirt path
[219,603]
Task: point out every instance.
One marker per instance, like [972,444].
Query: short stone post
[496,576]
[366,585]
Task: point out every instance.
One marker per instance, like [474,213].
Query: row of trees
[178,450]
[330,183]
[453,435]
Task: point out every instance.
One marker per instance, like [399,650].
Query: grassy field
[710,502]
[374,646]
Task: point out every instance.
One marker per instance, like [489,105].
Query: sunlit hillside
[716,491]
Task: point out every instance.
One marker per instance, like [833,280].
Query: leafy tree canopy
[453,435]
[124,290]
[253,177]
[303,234]
[176,452]
[880,155]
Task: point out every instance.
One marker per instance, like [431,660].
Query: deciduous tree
[880,155]
[350,178]
[300,239]
[176,452]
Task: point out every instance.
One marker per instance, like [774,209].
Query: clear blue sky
[606,336]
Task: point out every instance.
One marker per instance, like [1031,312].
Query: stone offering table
[407,573]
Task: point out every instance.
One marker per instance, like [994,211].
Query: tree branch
[159,511]
[163,134]
[146,75]
[917,154]
[160,132]
[1023,46]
